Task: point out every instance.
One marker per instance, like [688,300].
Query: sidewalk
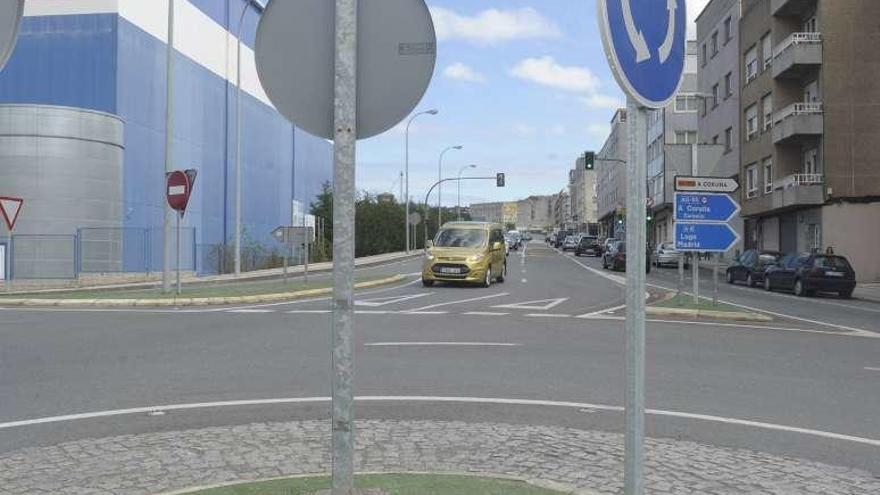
[591,461]
[868,292]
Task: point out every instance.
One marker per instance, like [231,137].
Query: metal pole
[306,251]
[178,254]
[715,280]
[695,270]
[169,128]
[406,194]
[238,144]
[680,289]
[344,146]
[634,411]
[440,184]
[458,202]
[286,254]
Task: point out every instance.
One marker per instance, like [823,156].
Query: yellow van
[470,252]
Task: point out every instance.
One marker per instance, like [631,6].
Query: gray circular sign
[414,218]
[11,12]
[295,55]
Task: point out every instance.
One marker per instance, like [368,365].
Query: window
[704,59]
[767,104]
[751,122]
[751,64]
[767,51]
[768,175]
[810,25]
[703,106]
[728,33]
[714,44]
[728,85]
[685,137]
[715,96]
[685,103]
[811,161]
[752,181]
[728,140]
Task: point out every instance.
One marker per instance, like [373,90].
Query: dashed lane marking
[441,344]
[871,368]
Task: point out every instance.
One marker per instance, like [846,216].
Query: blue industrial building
[110,55]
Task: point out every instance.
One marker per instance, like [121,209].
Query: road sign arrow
[666,47]
[705,237]
[635,36]
[704,207]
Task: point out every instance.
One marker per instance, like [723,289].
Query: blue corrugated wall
[103,62]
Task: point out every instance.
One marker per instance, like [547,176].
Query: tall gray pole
[169,130]
[342,340]
[177,256]
[695,271]
[636,242]
[440,187]
[678,293]
[238,144]
[458,202]
[715,279]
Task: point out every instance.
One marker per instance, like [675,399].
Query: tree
[322,207]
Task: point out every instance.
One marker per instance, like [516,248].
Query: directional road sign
[397,49]
[11,12]
[294,236]
[704,237]
[705,184]
[645,45]
[704,207]
[9,209]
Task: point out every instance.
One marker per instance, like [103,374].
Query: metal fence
[99,250]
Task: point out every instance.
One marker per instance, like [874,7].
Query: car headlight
[477,258]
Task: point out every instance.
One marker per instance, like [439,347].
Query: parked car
[511,241]
[466,252]
[750,266]
[551,239]
[666,254]
[570,243]
[615,257]
[560,237]
[806,274]
[527,237]
[588,245]
[607,243]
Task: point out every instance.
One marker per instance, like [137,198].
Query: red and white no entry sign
[178,188]
[9,209]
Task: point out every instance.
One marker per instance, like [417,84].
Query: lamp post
[433,111]
[439,187]
[244,10]
[458,203]
[169,141]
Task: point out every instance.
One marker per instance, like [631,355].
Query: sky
[522,85]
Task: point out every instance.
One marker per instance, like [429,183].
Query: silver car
[666,254]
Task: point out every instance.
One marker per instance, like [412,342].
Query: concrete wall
[852,230]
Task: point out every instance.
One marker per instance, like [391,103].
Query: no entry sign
[178,188]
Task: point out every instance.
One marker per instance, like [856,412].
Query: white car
[666,254]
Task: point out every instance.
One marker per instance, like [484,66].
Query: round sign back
[11,12]
[295,55]
[645,46]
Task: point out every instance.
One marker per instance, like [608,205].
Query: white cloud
[599,130]
[547,72]
[601,101]
[493,25]
[461,72]
[525,130]
[556,130]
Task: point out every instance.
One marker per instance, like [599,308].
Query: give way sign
[10,208]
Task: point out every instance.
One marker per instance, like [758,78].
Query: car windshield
[461,238]
[832,263]
[768,258]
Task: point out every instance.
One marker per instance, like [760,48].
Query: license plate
[451,271]
[833,274]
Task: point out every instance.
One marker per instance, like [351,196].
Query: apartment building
[535,213]
[499,212]
[582,191]
[611,175]
[809,127]
[562,209]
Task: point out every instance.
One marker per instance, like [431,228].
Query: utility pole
[169,131]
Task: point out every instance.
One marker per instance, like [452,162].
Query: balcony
[797,190]
[797,56]
[798,121]
[791,8]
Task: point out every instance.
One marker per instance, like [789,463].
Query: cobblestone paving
[162,462]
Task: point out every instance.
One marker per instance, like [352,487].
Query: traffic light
[590,160]
[499,180]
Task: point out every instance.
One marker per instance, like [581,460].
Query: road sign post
[307,57]
[645,49]
[178,189]
[10,209]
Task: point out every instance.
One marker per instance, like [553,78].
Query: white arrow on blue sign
[705,237]
[645,45]
[704,207]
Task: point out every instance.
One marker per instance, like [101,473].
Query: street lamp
[259,8]
[433,111]
[439,188]
[458,203]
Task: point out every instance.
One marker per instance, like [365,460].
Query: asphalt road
[552,333]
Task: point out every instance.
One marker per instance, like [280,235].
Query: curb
[188,301]
[563,488]
[710,314]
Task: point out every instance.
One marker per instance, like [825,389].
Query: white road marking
[373,312]
[384,301]
[617,279]
[423,313]
[602,312]
[871,368]
[461,400]
[309,312]
[484,313]
[461,301]
[535,305]
[524,281]
[547,315]
[442,344]
[246,311]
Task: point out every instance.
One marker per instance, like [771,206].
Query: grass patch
[687,302]
[226,289]
[394,484]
